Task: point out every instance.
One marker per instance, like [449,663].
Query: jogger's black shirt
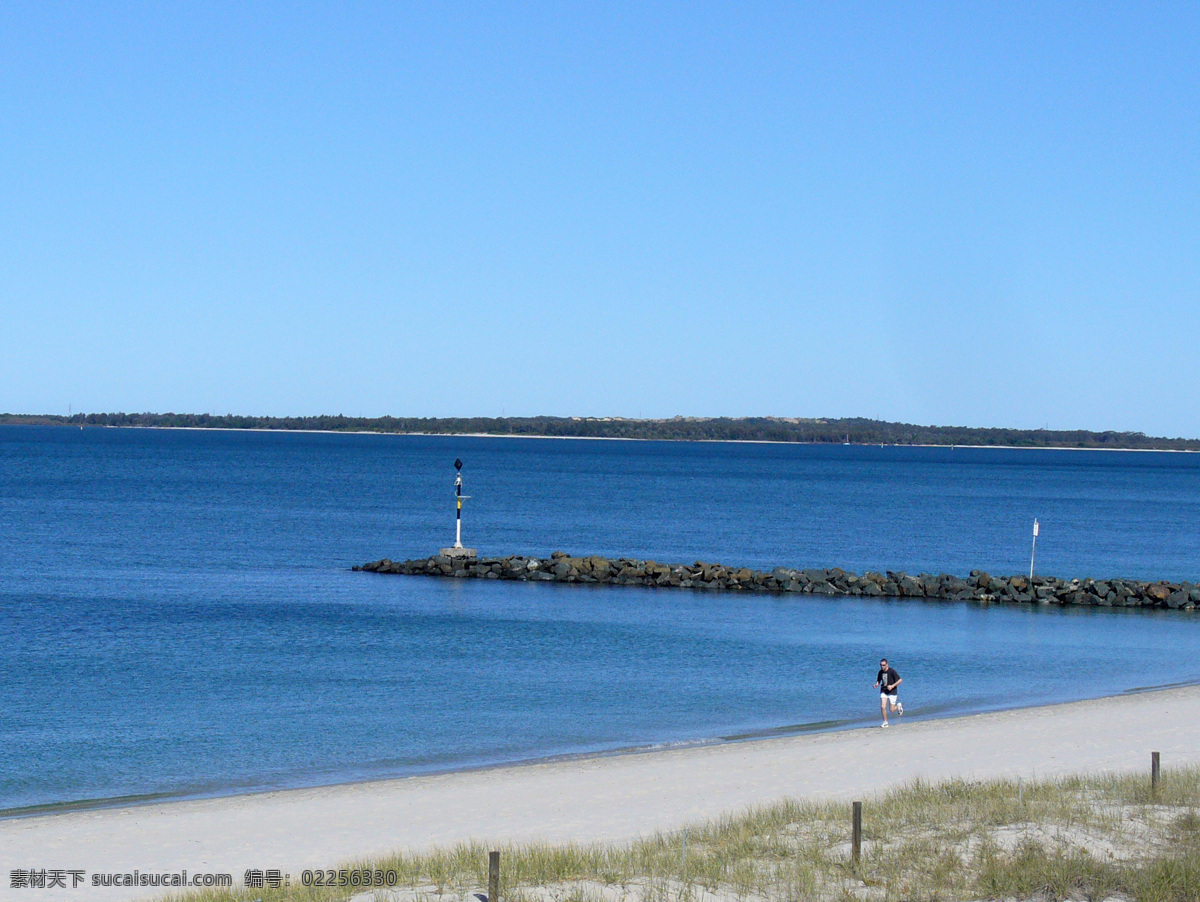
[885,678]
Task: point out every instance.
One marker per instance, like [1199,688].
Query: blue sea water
[178,616]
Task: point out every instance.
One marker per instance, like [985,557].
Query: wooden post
[493,876]
[856,833]
[1154,768]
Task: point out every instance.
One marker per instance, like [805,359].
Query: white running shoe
[883,726]
[900,708]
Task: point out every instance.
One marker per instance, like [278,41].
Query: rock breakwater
[979,586]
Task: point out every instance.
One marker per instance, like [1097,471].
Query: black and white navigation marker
[457,550]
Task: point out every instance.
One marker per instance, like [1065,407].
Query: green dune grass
[1086,837]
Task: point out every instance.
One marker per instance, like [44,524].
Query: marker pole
[458,510]
[1033,553]
[456,550]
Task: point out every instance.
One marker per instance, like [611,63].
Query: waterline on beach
[615,798]
[912,715]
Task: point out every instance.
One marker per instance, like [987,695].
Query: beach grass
[1084,837]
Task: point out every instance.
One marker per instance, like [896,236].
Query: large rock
[1159,592]
[599,565]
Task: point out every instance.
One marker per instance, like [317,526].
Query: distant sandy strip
[621,438]
[606,798]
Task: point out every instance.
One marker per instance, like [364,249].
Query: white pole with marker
[457,549]
[1033,553]
[459,498]
[458,513]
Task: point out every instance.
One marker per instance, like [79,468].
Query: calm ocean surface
[178,616]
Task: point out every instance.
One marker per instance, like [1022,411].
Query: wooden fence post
[493,876]
[1154,771]
[856,833]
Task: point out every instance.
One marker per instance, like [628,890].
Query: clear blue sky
[959,213]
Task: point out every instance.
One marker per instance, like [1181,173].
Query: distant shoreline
[617,438]
[766,429]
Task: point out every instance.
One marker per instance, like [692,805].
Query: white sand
[606,798]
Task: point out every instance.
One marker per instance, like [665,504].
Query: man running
[887,682]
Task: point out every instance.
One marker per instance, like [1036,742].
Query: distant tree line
[855,430]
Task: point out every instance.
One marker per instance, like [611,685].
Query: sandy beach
[605,798]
